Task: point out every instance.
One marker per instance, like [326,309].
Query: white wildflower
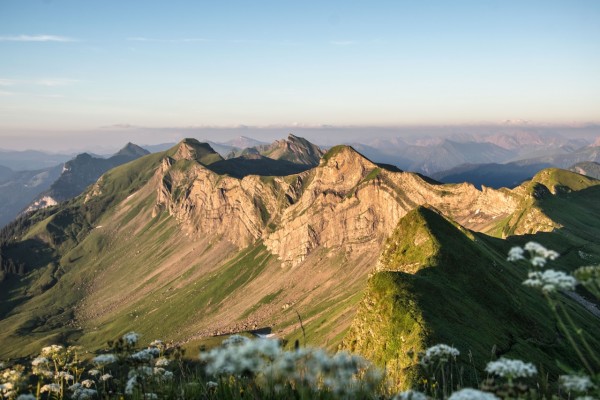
[163,374]
[538,254]
[26,397]
[538,261]
[52,350]
[410,395]
[515,254]
[39,361]
[131,338]
[131,384]
[105,377]
[66,376]
[104,359]
[439,353]
[84,394]
[472,394]
[550,281]
[508,368]
[241,356]
[211,385]
[50,388]
[88,383]
[94,372]
[576,383]
[145,355]
[162,362]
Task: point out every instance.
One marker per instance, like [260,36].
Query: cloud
[343,42]
[36,38]
[48,82]
[154,40]
[7,82]
[55,82]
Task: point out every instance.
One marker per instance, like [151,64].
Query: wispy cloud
[36,38]
[55,82]
[7,82]
[343,42]
[177,40]
[49,82]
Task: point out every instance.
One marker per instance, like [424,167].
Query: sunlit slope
[439,283]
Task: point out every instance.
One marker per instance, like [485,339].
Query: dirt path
[591,307]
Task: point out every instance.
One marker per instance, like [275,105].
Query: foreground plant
[265,363]
[550,283]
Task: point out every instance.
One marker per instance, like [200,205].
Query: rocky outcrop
[352,202]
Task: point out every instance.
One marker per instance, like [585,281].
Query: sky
[69,66]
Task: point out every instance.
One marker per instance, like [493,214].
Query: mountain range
[376,260]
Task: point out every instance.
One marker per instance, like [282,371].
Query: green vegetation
[440,284]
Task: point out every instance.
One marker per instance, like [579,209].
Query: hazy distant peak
[132,150]
[243,142]
[192,149]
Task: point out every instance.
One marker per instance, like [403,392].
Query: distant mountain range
[31,160]
[80,172]
[513,173]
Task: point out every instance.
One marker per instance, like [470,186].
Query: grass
[403,311]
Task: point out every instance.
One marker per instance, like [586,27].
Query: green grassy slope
[438,283]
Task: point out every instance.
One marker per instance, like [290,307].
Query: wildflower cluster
[58,372]
[269,365]
[12,380]
[511,369]
[538,255]
[550,281]
[576,383]
[439,353]
[547,281]
[471,394]
[589,277]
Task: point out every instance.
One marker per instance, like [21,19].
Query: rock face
[347,201]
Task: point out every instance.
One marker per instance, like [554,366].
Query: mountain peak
[192,149]
[559,180]
[132,150]
[294,149]
[344,153]
[423,238]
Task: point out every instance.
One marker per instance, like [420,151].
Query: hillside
[207,253]
[436,282]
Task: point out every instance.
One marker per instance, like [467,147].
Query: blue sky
[69,65]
